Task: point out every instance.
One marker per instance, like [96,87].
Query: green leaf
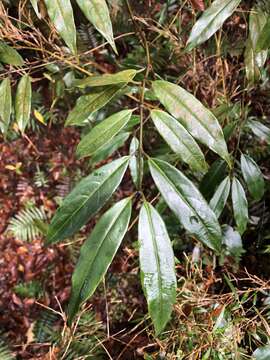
[5,105]
[89,195]
[213,178]
[134,162]
[97,12]
[187,203]
[211,21]
[157,266]
[220,197]
[190,112]
[102,133]
[10,56]
[180,140]
[88,104]
[23,102]
[107,150]
[233,242]
[264,38]
[107,79]
[253,177]
[97,254]
[260,130]
[35,7]
[262,353]
[61,15]
[240,205]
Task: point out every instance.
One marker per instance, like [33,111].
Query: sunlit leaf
[157,266]
[23,102]
[102,133]
[124,77]
[97,253]
[220,197]
[61,15]
[233,242]
[89,195]
[240,205]
[190,112]
[253,177]
[5,105]
[187,203]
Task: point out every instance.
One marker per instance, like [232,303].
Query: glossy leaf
[179,140]
[260,130]
[233,242]
[5,105]
[97,12]
[211,21]
[190,112]
[240,206]
[35,7]
[8,55]
[264,38]
[61,15]
[107,79]
[220,197]
[97,254]
[262,353]
[134,162]
[102,133]
[187,203]
[88,104]
[89,195]
[23,102]
[213,178]
[157,266]
[253,177]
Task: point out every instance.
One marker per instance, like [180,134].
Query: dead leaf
[198,4]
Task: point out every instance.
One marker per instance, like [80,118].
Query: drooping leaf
[97,12]
[5,105]
[107,150]
[220,197]
[233,242]
[187,203]
[124,76]
[179,139]
[240,205]
[23,102]
[260,130]
[253,177]
[89,195]
[213,178]
[157,266]
[134,162]
[10,56]
[88,104]
[35,7]
[102,133]
[211,21]
[97,254]
[61,15]
[262,353]
[264,38]
[190,112]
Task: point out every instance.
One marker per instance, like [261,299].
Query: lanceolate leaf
[101,134]
[23,102]
[253,177]
[190,112]
[260,130]
[179,139]
[89,195]
[157,266]
[10,56]
[262,353]
[35,7]
[5,105]
[134,162]
[185,200]
[107,79]
[240,206]
[220,197]
[97,12]
[61,15]
[97,253]
[213,178]
[88,104]
[264,38]
[211,21]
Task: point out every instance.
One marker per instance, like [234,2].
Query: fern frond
[5,353]
[40,178]
[43,328]
[32,289]
[23,225]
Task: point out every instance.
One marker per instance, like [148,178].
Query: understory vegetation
[134,187]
